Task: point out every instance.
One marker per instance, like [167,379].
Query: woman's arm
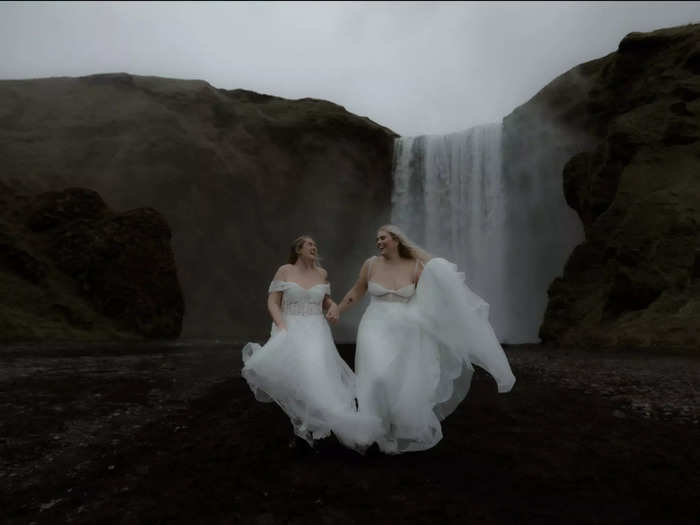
[419,271]
[274,306]
[331,309]
[274,301]
[357,291]
[328,304]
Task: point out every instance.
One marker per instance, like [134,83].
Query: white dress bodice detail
[380,293]
[297,300]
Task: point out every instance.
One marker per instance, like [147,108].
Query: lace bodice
[297,300]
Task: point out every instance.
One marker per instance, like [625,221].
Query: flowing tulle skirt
[397,375]
[414,360]
[300,369]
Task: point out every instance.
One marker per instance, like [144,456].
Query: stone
[92,273]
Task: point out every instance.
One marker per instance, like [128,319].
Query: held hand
[333,313]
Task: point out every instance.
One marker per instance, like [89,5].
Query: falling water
[450,197]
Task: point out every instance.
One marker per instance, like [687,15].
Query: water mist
[451,197]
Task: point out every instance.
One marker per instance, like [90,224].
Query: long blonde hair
[407,248]
[296,245]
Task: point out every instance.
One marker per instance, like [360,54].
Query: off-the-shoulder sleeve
[278,286]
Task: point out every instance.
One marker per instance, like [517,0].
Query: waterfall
[450,197]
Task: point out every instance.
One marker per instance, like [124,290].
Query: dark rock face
[68,244]
[236,174]
[538,139]
[635,183]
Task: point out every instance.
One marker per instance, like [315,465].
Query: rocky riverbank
[170,433]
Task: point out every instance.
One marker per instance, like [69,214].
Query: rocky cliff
[236,174]
[628,125]
[70,268]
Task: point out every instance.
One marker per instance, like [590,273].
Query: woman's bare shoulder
[364,269]
[283,272]
[369,262]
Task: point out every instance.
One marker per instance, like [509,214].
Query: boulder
[73,269]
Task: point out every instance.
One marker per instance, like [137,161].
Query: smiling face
[308,249]
[386,243]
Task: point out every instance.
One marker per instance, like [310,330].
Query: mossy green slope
[635,183]
[71,269]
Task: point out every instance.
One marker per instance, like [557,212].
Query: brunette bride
[417,341]
[299,367]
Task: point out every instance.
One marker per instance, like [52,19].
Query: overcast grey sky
[416,67]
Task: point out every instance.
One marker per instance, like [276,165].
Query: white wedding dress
[300,369]
[415,351]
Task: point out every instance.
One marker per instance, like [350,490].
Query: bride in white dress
[299,367]
[417,341]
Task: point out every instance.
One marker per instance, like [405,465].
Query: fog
[415,67]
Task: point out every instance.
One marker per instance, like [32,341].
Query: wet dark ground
[169,433]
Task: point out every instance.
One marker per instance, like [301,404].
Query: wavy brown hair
[407,248]
[296,246]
